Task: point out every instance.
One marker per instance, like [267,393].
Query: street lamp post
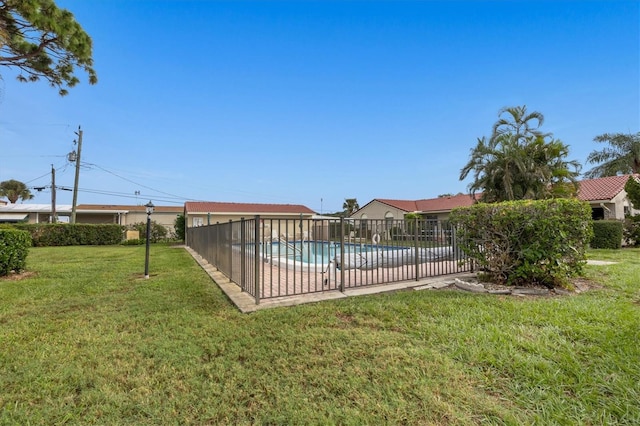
[149,207]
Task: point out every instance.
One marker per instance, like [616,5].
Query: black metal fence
[271,258]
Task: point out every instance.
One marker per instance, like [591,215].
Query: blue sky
[312,102]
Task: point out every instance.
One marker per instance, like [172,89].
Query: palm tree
[621,157]
[518,123]
[350,206]
[14,190]
[513,168]
[499,167]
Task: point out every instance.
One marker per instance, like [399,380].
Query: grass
[86,340]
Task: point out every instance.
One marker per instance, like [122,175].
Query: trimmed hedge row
[14,247]
[607,234]
[519,242]
[65,234]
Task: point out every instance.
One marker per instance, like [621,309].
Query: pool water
[313,252]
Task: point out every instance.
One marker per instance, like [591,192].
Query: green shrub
[607,234]
[631,231]
[65,234]
[527,241]
[133,242]
[158,232]
[179,225]
[14,247]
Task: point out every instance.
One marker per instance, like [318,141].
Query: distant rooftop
[39,208]
[248,208]
[432,205]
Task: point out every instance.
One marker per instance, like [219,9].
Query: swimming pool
[319,254]
[312,252]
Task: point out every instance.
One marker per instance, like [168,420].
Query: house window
[597,213]
[388,220]
[197,221]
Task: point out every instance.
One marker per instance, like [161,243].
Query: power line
[125,195]
[39,177]
[136,183]
[102,192]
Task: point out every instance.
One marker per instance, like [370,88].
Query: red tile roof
[602,188]
[439,204]
[445,203]
[253,208]
[406,205]
[589,190]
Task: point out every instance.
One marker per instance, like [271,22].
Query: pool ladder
[289,246]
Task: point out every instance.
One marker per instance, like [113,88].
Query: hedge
[14,247]
[64,234]
[520,242]
[607,234]
[631,230]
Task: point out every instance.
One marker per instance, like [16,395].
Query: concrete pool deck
[247,303]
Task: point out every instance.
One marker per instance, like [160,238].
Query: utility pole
[75,185]
[53,195]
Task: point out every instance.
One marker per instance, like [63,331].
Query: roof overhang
[104,211]
[600,201]
[434,211]
[251,214]
[13,217]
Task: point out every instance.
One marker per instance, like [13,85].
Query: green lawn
[86,340]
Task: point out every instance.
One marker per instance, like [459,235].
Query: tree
[14,190]
[350,206]
[520,162]
[621,157]
[632,187]
[44,41]
[518,123]
[631,230]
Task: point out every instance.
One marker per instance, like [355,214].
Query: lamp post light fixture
[149,206]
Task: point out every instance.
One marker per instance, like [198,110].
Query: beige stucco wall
[97,218]
[442,216]
[36,217]
[614,209]
[271,226]
[378,210]
[166,219]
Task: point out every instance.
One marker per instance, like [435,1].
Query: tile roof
[254,208]
[431,204]
[445,203]
[604,188]
[406,205]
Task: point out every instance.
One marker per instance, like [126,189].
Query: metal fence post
[217,245]
[416,257]
[256,250]
[243,275]
[342,254]
[230,227]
